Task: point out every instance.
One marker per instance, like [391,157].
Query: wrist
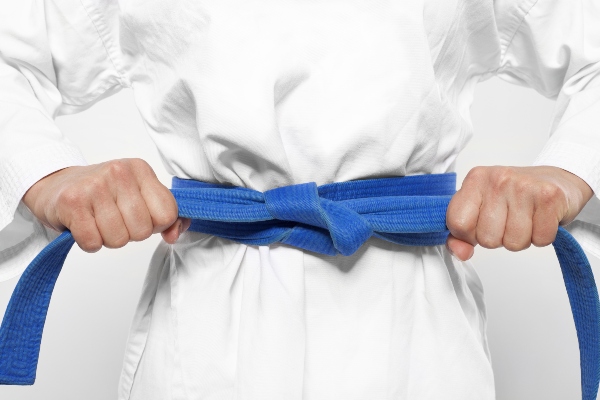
[33,195]
[577,191]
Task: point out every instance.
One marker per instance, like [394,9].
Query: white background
[530,329]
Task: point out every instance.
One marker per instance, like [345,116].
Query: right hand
[108,204]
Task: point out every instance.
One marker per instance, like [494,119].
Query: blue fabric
[333,219]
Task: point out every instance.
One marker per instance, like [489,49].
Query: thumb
[461,250]
[171,234]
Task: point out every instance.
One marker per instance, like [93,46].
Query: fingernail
[180,227]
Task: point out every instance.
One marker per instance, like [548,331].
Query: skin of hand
[512,207]
[107,204]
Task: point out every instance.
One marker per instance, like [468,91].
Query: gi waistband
[332,219]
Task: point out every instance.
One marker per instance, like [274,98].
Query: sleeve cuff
[19,173]
[575,158]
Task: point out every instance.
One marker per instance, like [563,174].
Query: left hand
[512,207]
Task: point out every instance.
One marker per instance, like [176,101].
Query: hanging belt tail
[583,297]
[23,323]
[406,210]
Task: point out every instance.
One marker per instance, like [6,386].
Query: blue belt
[332,219]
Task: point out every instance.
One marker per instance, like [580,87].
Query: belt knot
[301,203]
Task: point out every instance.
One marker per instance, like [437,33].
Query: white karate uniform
[265,93]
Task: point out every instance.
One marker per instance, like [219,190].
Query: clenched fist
[108,204]
[512,207]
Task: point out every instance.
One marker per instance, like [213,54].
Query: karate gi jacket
[262,94]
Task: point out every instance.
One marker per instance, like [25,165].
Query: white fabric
[262,94]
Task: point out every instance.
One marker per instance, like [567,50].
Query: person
[266,94]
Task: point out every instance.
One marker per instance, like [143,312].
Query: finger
[545,227]
[462,214]
[171,234]
[159,200]
[517,235]
[134,211]
[461,250]
[162,207]
[110,222]
[491,222]
[84,230]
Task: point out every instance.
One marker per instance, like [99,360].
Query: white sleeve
[56,57]
[553,46]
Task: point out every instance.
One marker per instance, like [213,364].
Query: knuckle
[166,217]
[522,186]
[488,241]
[549,193]
[515,245]
[477,173]
[71,197]
[117,242]
[502,177]
[139,163]
[118,169]
[460,227]
[85,232]
[94,185]
[141,233]
[543,238]
[90,246]
[88,242]
[140,166]
[541,241]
